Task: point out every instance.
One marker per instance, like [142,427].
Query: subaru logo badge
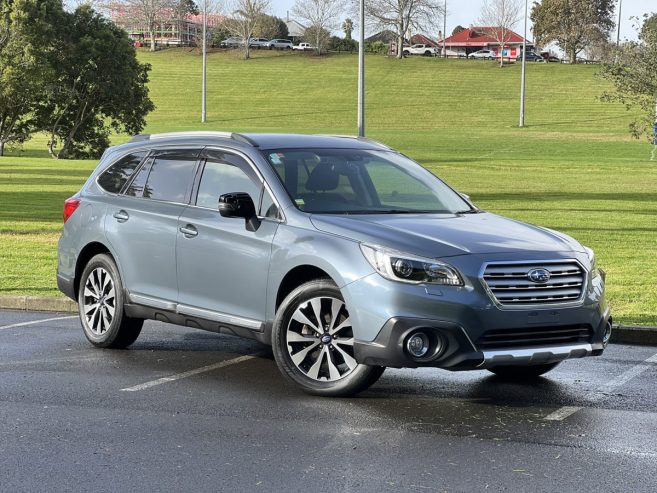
[540,276]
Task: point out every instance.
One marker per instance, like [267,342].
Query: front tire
[528,372]
[100,303]
[313,342]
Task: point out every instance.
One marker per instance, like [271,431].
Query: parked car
[281,44]
[549,57]
[232,42]
[530,56]
[343,254]
[258,43]
[420,49]
[483,54]
[304,47]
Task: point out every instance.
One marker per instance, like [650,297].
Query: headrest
[323,178]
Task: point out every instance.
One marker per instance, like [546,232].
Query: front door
[223,266]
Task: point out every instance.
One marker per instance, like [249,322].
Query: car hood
[446,235]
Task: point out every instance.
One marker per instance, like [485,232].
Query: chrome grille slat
[510,285]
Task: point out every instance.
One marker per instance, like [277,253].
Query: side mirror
[239,204]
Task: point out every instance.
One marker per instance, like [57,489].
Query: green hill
[573,168]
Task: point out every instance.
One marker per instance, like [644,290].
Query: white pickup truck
[420,49]
[304,47]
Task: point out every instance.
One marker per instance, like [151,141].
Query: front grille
[534,337]
[510,283]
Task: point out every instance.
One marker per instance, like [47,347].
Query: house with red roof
[479,38]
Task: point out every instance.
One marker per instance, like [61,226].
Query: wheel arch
[296,277]
[87,253]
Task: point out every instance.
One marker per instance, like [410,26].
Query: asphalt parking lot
[186,410]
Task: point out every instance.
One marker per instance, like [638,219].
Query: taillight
[70,205]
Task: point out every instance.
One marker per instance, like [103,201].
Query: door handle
[189,231]
[121,216]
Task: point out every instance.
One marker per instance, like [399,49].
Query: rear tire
[312,341]
[100,303]
[528,372]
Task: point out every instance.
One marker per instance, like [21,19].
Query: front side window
[117,175]
[227,173]
[171,176]
[352,181]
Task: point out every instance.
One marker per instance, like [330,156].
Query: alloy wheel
[320,339]
[99,301]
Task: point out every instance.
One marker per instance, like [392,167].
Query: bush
[377,47]
[342,44]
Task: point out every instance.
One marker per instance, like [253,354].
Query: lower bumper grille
[535,337]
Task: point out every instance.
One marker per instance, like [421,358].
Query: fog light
[417,345]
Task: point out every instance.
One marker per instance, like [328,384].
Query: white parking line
[34,322]
[191,373]
[603,391]
[562,413]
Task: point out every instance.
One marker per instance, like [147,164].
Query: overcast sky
[466,12]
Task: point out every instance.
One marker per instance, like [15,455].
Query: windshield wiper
[469,211]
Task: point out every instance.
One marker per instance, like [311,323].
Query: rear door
[142,223]
[222,266]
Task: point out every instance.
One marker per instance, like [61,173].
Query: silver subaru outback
[342,254]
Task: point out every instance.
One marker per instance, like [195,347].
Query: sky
[466,13]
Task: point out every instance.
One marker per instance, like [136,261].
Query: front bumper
[476,332]
[458,352]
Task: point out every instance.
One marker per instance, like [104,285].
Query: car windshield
[353,181]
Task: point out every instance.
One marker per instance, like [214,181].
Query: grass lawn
[573,168]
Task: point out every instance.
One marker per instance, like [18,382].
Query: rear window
[117,175]
[171,176]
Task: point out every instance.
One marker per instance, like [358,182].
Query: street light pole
[361,72]
[522,74]
[204,77]
[445,30]
[620,7]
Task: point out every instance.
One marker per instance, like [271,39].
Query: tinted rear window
[117,175]
[171,176]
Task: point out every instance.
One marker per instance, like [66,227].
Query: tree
[151,13]
[322,17]
[649,27]
[572,24]
[501,16]
[401,16]
[347,28]
[271,27]
[317,37]
[457,29]
[100,87]
[634,77]
[245,19]
[26,33]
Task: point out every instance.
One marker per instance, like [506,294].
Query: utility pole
[204,78]
[620,8]
[361,71]
[445,30]
[522,74]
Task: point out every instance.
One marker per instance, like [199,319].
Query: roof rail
[168,135]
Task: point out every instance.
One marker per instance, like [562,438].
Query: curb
[622,334]
[38,304]
[632,334]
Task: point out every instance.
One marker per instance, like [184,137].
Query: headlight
[595,272]
[402,267]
